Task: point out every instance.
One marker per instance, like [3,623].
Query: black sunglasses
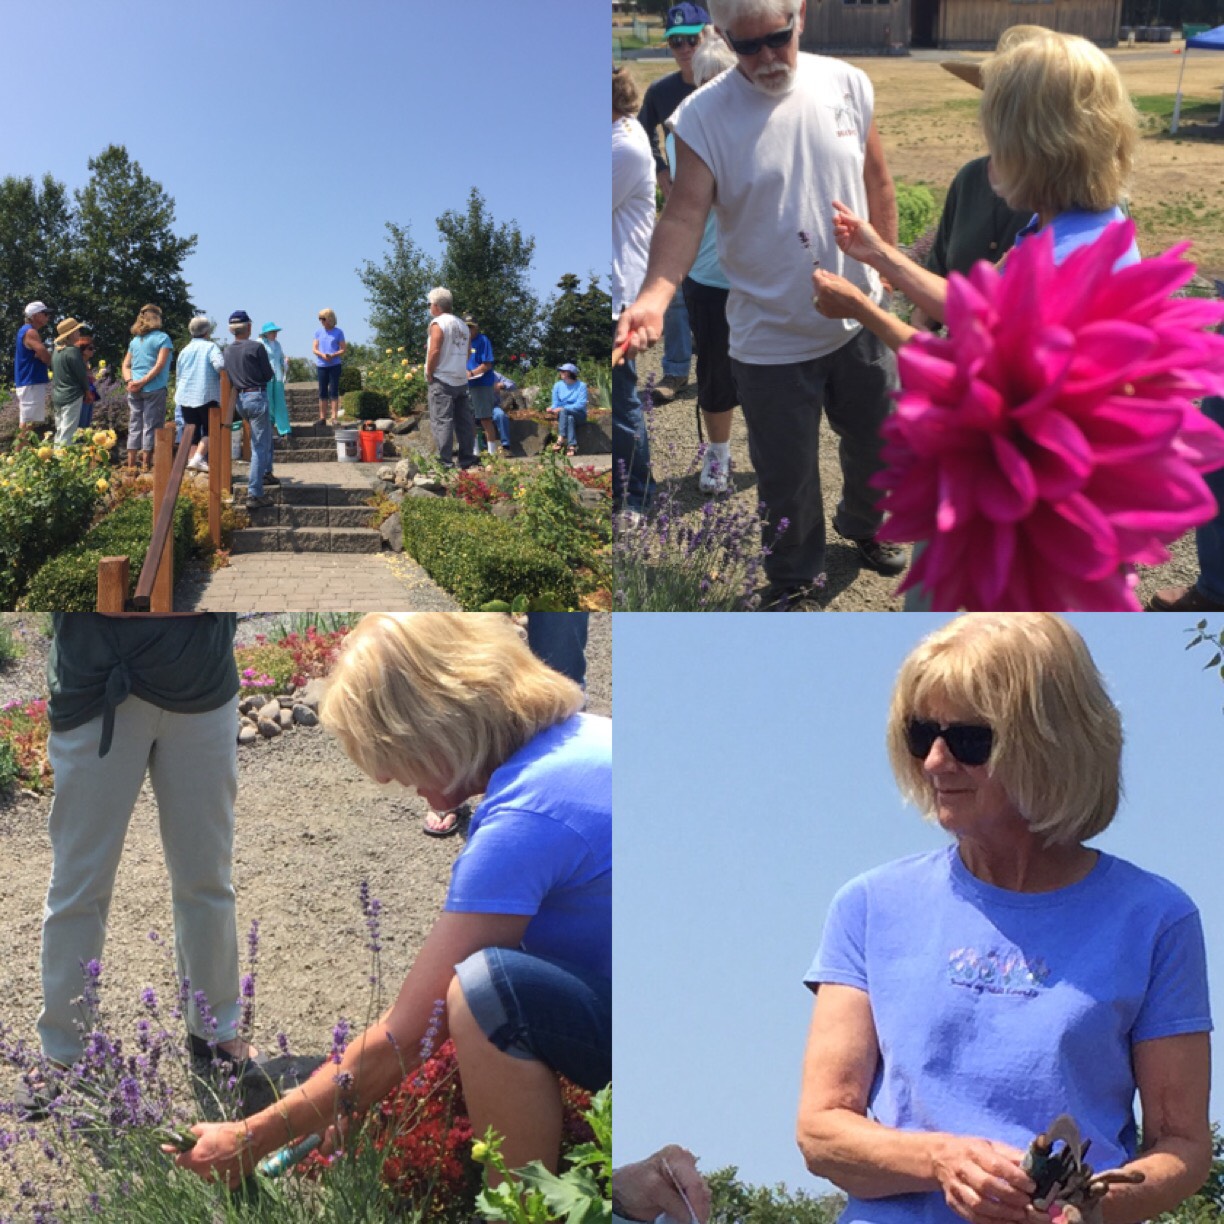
[676,41]
[774,41]
[969,744]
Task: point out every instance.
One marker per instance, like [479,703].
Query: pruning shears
[1067,1189]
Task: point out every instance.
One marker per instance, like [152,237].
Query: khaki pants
[192,763]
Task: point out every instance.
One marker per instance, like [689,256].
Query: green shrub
[8,766]
[478,558]
[365,405]
[350,377]
[915,212]
[10,649]
[69,582]
[298,369]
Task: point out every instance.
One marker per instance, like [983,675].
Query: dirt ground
[310,828]
[928,123]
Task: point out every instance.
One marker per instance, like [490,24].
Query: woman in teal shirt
[569,402]
[146,370]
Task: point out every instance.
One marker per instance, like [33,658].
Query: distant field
[928,123]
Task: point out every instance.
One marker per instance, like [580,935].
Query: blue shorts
[545,1010]
[329,382]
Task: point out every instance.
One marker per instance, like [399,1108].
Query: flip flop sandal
[448,826]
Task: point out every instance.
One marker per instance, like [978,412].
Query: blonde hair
[148,320]
[327,317]
[625,97]
[1057,735]
[1061,127]
[441,698]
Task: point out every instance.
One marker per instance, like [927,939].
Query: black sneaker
[887,559]
[269,479]
[668,387]
[32,1101]
[800,598]
[258,503]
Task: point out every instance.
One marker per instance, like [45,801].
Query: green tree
[397,292]
[129,253]
[485,266]
[733,1202]
[577,324]
[38,234]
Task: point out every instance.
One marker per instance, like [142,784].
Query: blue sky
[752,782]
[289,131]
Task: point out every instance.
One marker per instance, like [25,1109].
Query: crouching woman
[457,706]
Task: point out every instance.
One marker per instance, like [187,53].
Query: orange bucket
[371,445]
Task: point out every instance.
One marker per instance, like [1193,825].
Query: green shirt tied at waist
[184,664]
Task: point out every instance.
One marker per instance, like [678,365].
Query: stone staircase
[311,440]
[308,517]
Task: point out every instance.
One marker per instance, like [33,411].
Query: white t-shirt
[633,210]
[452,359]
[779,162]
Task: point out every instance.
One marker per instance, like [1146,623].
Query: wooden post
[162,598]
[224,440]
[214,473]
[114,576]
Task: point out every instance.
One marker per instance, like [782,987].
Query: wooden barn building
[891,27]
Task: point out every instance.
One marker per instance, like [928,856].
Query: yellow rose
[395,378]
[480,1150]
[400,349]
[44,452]
[102,364]
[404,362]
[102,486]
[388,352]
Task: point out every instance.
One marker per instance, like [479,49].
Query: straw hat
[65,330]
[965,70]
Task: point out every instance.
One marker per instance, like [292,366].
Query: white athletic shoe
[714,473]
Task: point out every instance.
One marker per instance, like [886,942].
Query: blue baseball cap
[569,368]
[686,19]
[240,316]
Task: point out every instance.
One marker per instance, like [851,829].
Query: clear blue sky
[289,131]
[752,782]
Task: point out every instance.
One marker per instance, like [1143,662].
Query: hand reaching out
[855,236]
[835,297]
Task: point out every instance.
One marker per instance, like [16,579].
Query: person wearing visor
[686,25]
[969,996]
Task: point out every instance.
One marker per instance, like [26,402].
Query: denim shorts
[547,1010]
[329,382]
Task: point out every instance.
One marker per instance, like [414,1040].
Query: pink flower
[1051,441]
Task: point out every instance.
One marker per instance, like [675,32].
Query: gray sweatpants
[452,423]
[192,762]
[782,406]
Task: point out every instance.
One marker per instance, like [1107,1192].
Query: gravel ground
[850,587]
[310,827]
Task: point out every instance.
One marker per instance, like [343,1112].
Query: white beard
[774,81]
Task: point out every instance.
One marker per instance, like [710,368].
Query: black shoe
[795,598]
[214,1067]
[269,479]
[887,559]
[258,503]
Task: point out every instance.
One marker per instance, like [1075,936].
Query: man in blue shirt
[480,383]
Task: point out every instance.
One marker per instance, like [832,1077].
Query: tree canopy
[577,324]
[98,259]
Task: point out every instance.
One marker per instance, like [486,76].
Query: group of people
[790,333]
[455,706]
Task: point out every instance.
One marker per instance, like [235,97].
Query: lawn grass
[1193,110]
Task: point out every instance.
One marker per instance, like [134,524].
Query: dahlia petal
[1118,431]
[1006,491]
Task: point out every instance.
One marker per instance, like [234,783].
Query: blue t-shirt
[569,395]
[541,844]
[144,350]
[28,371]
[1076,228]
[330,340]
[481,350]
[998,1010]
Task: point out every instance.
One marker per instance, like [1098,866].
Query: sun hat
[269,327]
[966,71]
[65,329]
[569,368]
[37,308]
[686,19]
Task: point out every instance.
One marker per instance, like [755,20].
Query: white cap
[37,308]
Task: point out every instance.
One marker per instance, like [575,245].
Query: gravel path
[850,588]
[310,828]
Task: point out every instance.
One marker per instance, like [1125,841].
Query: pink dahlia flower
[1051,441]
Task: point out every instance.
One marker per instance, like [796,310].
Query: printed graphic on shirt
[998,971]
[843,116]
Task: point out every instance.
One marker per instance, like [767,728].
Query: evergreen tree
[736,1202]
[577,324]
[129,254]
[397,291]
[485,266]
[37,236]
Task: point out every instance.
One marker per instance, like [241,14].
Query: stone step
[282,514]
[306,539]
[308,494]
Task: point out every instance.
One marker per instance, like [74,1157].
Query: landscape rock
[304,716]
[387,474]
[384,423]
[312,694]
[421,491]
[247,734]
[430,483]
[269,728]
[405,426]
[285,719]
[270,709]
[392,532]
[405,472]
[505,510]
